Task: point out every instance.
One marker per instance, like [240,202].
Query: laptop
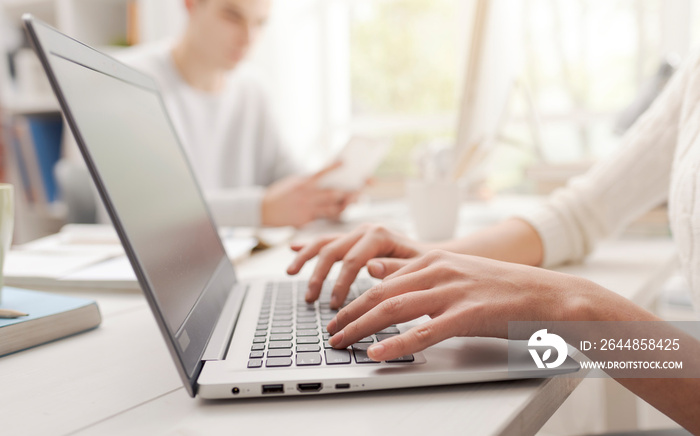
[228,339]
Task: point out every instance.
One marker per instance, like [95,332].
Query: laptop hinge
[221,336]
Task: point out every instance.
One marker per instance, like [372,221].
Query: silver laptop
[228,339]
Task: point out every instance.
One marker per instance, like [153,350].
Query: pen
[9,313]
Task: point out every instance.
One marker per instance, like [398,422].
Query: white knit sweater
[659,160]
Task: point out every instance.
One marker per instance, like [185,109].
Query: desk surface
[119,378]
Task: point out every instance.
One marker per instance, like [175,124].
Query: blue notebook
[50,317]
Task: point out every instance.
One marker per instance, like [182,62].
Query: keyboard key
[306,325]
[308,348]
[360,347]
[280,337]
[280,345]
[337,357]
[278,361]
[326,345]
[381,337]
[256,354]
[306,308]
[307,333]
[308,359]
[259,340]
[277,318]
[363,285]
[308,340]
[260,333]
[257,347]
[390,330]
[254,363]
[361,355]
[281,330]
[279,353]
[281,324]
[403,359]
[367,340]
[306,321]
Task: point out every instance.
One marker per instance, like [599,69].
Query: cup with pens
[433,198]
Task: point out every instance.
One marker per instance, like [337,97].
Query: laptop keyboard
[292,333]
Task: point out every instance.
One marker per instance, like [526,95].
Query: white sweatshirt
[659,160]
[230,137]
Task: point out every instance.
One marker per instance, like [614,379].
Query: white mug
[7,221]
[434,208]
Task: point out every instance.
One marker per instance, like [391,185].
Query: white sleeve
[237,207]
[617,190]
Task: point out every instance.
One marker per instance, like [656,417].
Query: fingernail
[375,352]
[307,297]
[377,267]
[332,325]
[336,338]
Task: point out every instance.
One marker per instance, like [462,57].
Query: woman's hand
[355,250]
[464,296]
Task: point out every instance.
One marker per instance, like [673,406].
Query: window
[405,60]
[395,69]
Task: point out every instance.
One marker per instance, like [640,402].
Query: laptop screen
[149,190]
[149,182]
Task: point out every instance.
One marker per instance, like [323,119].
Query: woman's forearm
[513,240]
[678,398]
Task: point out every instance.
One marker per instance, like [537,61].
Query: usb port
[309,387]
[273,389]
[342,386]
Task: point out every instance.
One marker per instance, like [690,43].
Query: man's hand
[297,200]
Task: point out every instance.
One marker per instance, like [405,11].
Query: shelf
[44,10]
[32,106]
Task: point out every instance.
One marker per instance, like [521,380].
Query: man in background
[225,122]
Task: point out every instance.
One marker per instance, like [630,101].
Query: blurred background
[524,94]
[541,88]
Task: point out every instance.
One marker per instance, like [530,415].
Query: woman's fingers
[382,267]
[377,295]
[367,247]
[414,340]
[327,256]
[307,252]
[397,309]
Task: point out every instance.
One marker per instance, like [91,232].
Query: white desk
[119,378]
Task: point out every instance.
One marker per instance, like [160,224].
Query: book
[36,150]
[89,256]
[50,317]
[46,134]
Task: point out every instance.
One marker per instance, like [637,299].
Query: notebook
[50,317]
[228,339]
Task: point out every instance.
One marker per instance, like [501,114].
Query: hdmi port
[309,387]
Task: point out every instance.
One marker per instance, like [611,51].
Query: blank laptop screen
[149,182]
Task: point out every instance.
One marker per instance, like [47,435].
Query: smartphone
[361,158]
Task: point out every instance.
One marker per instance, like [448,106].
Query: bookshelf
[28,108]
